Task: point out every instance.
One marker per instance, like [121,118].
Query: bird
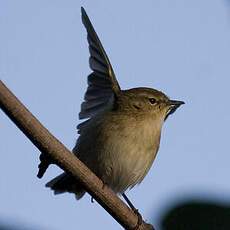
[121,130]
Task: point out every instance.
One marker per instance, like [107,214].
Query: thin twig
[48,144]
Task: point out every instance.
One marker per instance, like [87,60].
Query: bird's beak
[173,106]
[176,103]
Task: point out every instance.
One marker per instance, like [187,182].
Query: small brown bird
[121,137]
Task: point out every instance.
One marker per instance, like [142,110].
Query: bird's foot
[104,185]
[139,220]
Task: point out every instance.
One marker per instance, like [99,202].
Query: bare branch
[48,144]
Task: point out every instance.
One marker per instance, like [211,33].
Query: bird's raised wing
[102,83]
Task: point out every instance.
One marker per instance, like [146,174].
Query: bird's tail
[66,183]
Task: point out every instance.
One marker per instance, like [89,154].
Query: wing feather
[102,82]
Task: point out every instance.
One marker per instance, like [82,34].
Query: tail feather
[66,183]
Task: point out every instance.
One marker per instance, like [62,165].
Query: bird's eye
[152,100]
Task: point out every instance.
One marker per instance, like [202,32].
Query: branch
[48,144]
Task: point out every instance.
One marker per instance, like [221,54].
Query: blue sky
[179,47]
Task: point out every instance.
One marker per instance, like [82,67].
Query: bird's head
[146,101]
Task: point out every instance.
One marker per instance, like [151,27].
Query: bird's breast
[120,150]
[130,151]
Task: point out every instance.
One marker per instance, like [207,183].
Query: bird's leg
[128,202]
[44,164]
[139,221]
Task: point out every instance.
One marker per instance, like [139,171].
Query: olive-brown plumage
[121,136]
